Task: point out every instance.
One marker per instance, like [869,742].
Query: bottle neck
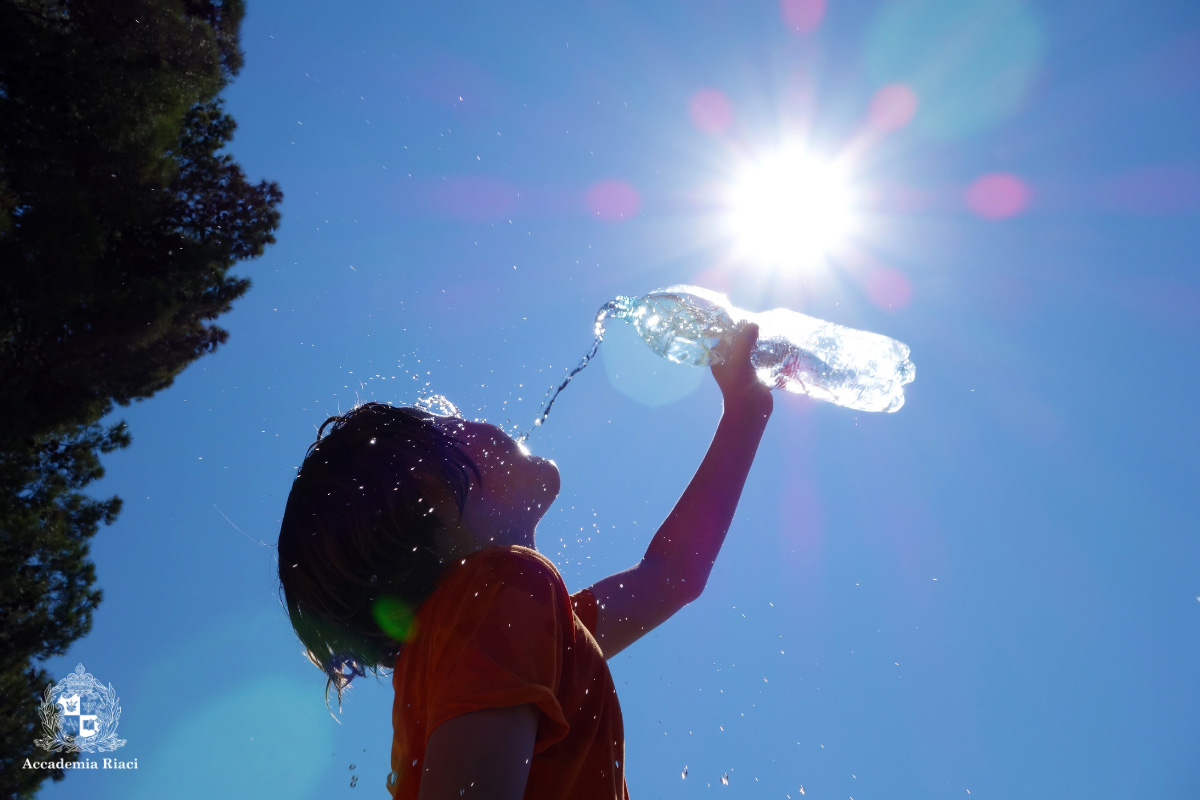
[621,307]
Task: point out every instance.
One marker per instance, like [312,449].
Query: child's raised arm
[680,557]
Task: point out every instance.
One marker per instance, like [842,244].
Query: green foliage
[120,219]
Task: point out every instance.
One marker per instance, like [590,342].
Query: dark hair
[357,554]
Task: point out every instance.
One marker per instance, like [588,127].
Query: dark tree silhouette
[120,218]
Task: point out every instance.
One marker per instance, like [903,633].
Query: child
[408,542]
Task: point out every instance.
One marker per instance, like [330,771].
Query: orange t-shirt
[500,630]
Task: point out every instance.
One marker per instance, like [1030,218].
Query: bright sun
[789,209]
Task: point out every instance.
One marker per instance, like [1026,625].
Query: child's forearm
[681,554]
[686,545]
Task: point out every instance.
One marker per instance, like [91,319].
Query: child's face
[517,487]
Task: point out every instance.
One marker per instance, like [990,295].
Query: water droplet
[683,775]
[414,762]
[725,779]
[392,777]
[352,767]
[373,579]
[802,788]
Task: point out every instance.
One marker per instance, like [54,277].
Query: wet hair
[357,553]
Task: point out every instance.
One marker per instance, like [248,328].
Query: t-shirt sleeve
[503,647]
[583,603]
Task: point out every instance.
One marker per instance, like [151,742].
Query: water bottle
[795,352]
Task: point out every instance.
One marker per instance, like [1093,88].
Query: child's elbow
[689,591]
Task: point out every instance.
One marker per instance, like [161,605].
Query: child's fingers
[736,350]
[744,344]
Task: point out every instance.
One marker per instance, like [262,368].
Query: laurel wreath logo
[108,712]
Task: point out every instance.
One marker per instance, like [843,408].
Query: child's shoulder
[503,581]
[512,565]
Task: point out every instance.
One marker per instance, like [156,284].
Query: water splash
[438,404]
[609,309]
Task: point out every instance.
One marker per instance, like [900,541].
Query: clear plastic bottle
[795,352]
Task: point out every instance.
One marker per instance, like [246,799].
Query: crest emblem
[79,715]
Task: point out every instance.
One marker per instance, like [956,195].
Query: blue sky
[994,590]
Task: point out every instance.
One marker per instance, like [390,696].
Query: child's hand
[744,393]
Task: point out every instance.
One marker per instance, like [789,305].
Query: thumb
[745,341]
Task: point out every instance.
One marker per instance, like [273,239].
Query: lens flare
[613,200]
[893,107]
[789,209]
[394,617]
[998,195]
[888,288]
[802,16]
[710,111]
